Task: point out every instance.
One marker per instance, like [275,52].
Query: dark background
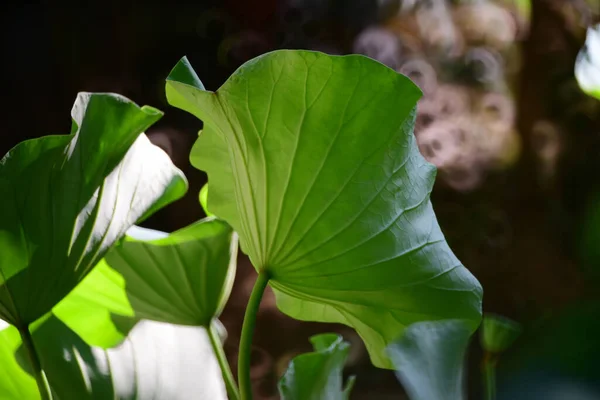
[522,235]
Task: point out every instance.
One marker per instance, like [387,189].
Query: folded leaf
[318,375]
[64,200]
[182,278]
[312,160]
[429,359]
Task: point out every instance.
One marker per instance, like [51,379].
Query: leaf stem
[489,376]
[38,373]
[215,341]
[247,332]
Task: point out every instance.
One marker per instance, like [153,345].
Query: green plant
[321,371]
[311,161]
[497,335]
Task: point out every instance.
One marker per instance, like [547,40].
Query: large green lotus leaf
[64,200]
[156,361]
[182,278]
[429,359]
[318,375]
[311,158]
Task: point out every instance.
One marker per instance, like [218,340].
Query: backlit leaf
[182,278]
[311,158]
[156,361]
[64,200]
[91,346]
[15,383]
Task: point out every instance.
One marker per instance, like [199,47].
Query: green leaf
[498,333]
[15,383]
[587,65]
[185,278]
[136,280]
[98,309]
[312,160]
[64,200]
[318,375]
[156,361]
[429,359]
[182,278]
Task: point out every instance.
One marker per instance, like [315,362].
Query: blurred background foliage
[515,139]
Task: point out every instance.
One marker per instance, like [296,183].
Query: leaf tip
[149,110]
[183,72]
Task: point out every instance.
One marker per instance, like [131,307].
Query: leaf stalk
[248,332]
[489,376]
[230,384]
[38,373]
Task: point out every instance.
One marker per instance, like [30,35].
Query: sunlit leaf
[149,360]
[64,200]
[98,309]
[156,361]
[311,158]
[15,383]
[182,278]
[318,375]
[429,359]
